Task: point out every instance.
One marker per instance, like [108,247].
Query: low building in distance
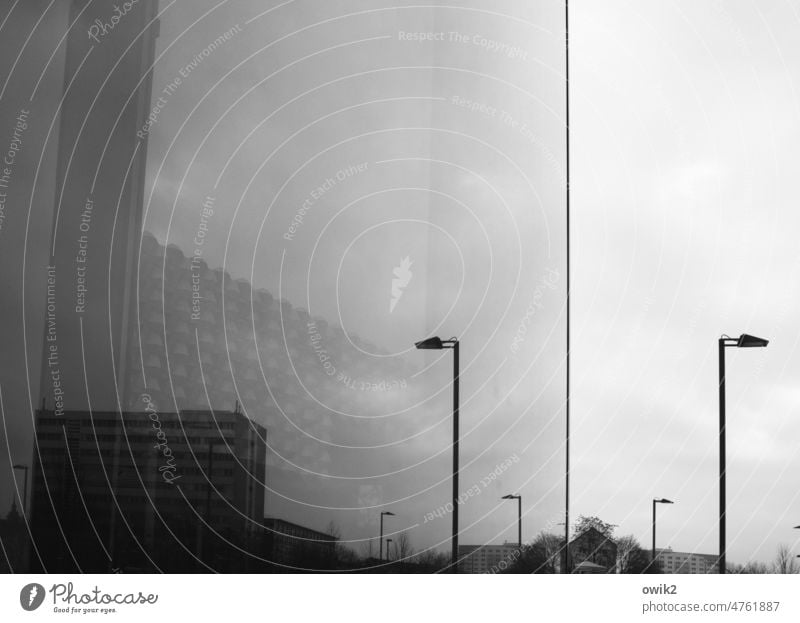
[486,558]
[291,547]
[686,562]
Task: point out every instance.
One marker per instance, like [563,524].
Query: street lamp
[518,498]
[661,501]
[743,341]
[436,343]
[380,546]
[797,528]
[24,489]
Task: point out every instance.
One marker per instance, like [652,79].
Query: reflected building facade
[206,339]
[135,323]
[293,547]
[147,491]
[97,216]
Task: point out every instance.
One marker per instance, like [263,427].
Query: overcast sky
[685,153]
[685,135]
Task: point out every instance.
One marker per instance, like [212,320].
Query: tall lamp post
[24,488]
[436,343]
[743,341]
[380,546]
[518,498]
[661,501]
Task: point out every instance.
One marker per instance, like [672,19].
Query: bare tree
[334,531]
[368,549]
[750,568]
[551,545]
[346,556]
[626,551]
[784,560]
[530,559]
[432,560]
[631,558]
[584,523]
[402,547]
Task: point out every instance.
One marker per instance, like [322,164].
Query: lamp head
[432,343]
[663,501]
[751,341]
[390,513]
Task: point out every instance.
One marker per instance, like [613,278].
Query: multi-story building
[147,490]
[686,562]
[486,558]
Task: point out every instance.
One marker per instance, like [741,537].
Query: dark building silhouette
[290,546]
[593,547]
[147,491]
[13,540]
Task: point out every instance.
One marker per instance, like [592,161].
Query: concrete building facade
[146,491]
[686,562]
[486,558]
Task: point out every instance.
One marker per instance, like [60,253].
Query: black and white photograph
[298,294]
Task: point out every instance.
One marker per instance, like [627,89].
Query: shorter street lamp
[380,551]
[518,498]
[797,528]
[661,501]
